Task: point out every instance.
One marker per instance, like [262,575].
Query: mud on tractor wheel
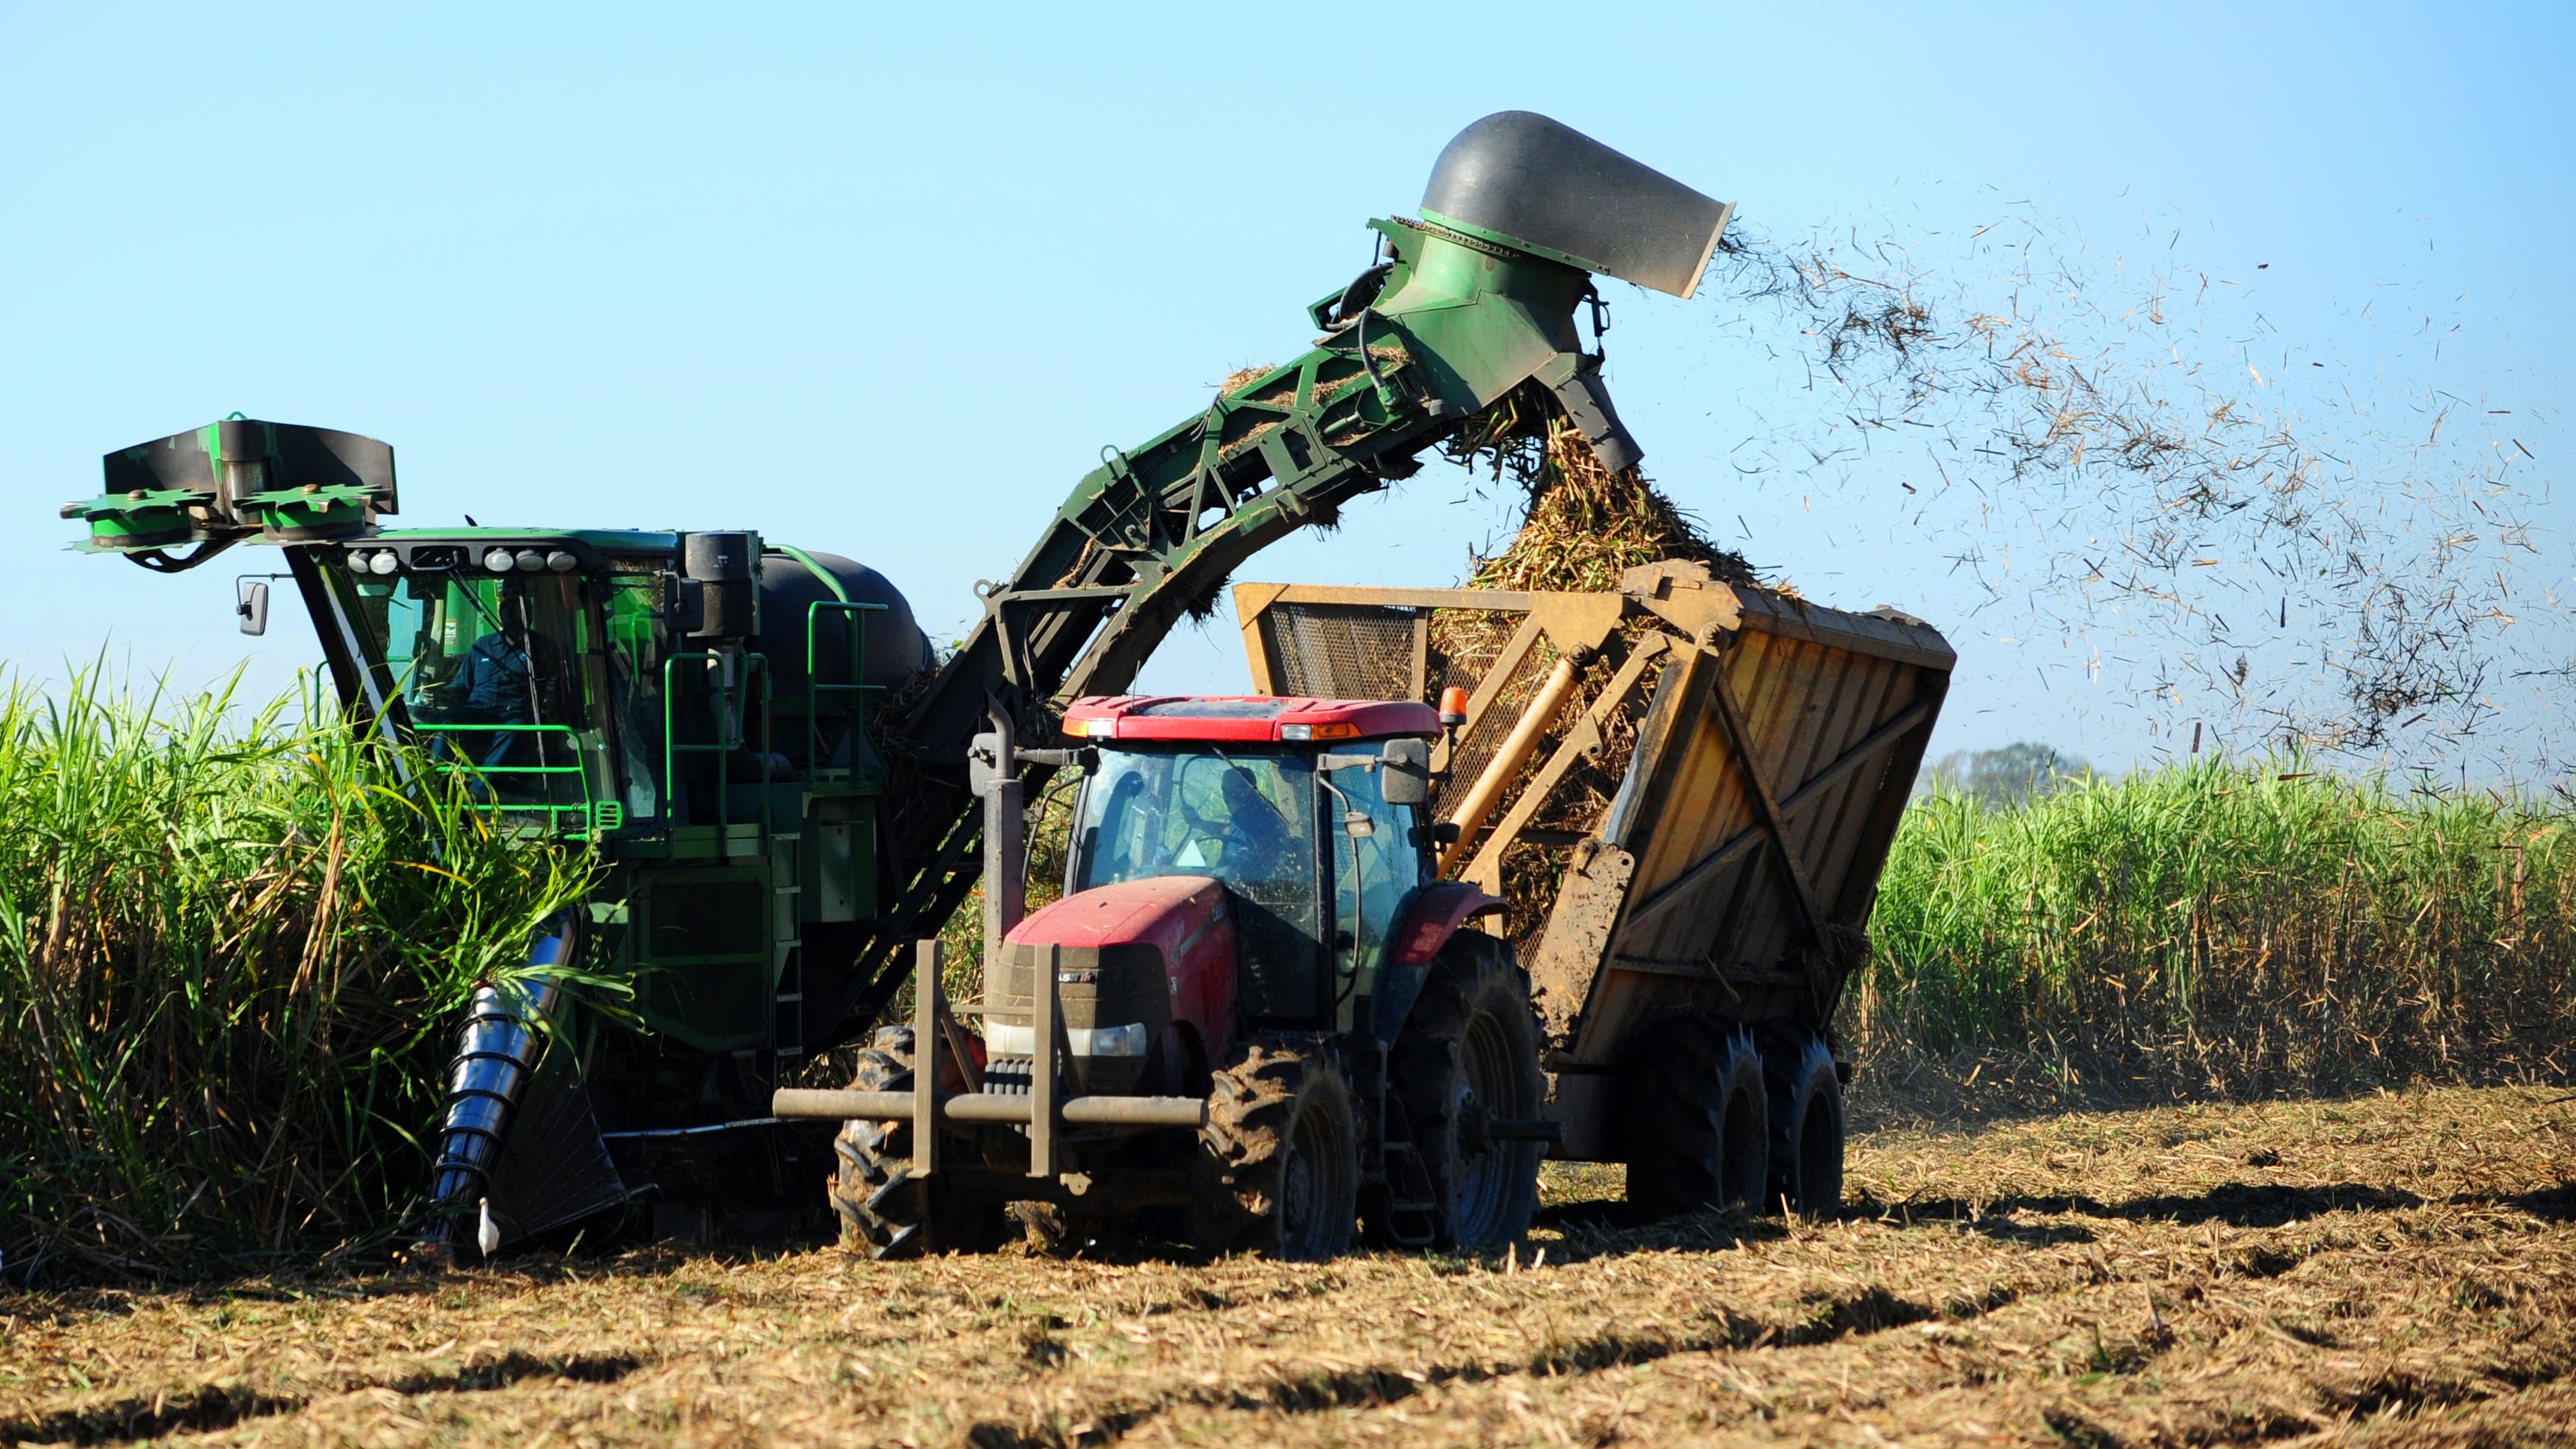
[1279,1158]
[885,1211]
[1468,1056]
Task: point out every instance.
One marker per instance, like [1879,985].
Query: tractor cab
[1284,802]
[1246,860]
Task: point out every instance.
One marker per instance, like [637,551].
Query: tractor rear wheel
[1697,1117]
[885,1211]
[1806,1092]
[1279,1158]
[1468,1054]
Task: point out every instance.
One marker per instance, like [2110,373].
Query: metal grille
[1343,651]
[1477,747]
[1366,651]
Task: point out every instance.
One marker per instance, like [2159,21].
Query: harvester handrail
[588,809]
[856,684]
[752,665]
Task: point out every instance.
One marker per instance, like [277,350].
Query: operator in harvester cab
[492,680]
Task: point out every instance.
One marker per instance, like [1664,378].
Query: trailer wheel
[1468,1054]
[1279,1158]
[1698,1118]
[885,1211]
[1806,1127]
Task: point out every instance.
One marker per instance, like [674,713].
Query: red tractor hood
[1183,917]
[1133,910]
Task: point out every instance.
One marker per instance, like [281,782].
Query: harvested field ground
[2384,1269]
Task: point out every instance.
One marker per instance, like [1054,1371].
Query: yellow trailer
[1688,938]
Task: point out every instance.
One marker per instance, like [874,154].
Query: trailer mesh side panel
[1367,651]
[1342,651]
[1478,746]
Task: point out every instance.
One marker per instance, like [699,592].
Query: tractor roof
[1231,718]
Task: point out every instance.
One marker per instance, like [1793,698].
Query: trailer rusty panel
[1725,911]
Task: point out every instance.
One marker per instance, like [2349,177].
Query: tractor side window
[1371,872]
[1120,824]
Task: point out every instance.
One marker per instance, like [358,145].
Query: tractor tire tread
[1474,972]
[1252,1113]
[884,1211]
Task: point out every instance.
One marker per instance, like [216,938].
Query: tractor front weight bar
[965,1108]
[1042,1112]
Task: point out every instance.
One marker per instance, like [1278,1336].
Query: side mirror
[252,605]
[1404,775]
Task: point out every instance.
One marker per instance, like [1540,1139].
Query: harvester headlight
[562,562]
[384,563]
[531,561]
[499,561]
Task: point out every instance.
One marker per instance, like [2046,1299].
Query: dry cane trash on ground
[2384,1269]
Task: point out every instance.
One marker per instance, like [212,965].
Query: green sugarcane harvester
[782,783]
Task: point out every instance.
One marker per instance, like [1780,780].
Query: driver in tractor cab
[1254,835]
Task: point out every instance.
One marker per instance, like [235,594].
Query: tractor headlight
[384,563]
[1111,1041]
[1003,1039]
[499,561]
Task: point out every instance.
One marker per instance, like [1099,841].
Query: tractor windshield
[505,675]
[1243,814]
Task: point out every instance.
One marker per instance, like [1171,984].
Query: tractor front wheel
[1279,1158]
[885,1211]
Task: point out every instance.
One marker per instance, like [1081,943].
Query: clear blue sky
[885,279]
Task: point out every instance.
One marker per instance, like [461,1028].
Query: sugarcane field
[1933,803]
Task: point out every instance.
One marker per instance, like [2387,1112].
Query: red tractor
[1254,1018]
